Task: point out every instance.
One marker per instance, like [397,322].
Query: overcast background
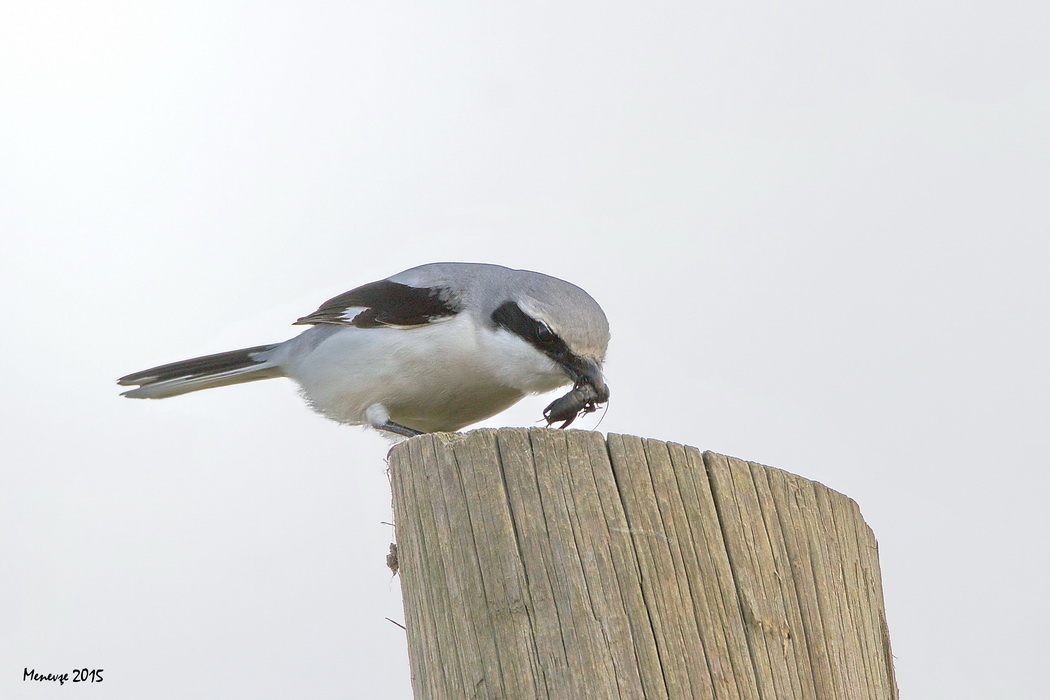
[820,232]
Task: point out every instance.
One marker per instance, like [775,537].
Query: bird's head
[566,326]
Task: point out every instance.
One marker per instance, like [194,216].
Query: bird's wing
[387,303]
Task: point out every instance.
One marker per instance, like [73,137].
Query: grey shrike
[434,348]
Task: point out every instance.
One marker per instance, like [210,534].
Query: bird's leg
[391,426]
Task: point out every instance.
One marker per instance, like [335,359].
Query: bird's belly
[427,379]
[451,408]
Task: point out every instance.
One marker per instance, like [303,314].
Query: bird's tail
[225,368]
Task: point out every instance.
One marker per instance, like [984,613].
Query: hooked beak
[586,371]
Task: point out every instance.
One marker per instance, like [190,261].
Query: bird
[434,348]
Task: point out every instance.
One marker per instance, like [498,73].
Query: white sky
[820,232]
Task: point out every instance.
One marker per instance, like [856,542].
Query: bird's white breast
[438,377]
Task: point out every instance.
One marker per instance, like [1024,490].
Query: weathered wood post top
[563,564]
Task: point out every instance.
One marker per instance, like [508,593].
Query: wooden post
[561,564]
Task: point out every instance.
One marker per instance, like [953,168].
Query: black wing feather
[386,303]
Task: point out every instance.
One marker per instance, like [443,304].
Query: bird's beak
[586,371]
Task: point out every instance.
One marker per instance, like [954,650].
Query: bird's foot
[398,429]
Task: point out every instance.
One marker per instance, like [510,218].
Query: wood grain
[563,564]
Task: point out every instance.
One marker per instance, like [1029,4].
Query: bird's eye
[544,334]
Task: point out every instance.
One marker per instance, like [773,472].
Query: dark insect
[582,399]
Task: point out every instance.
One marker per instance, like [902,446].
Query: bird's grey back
[572,312]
